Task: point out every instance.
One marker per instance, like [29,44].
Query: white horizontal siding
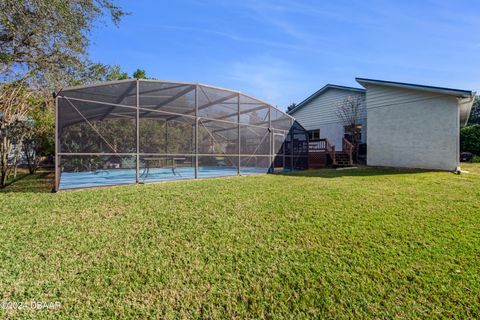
[411,128]
[321,113]
[322,109]
[378,96]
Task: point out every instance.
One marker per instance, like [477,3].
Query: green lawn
[362,243]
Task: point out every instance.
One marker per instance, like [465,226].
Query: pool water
[72,180]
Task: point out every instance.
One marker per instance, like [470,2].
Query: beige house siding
[412,128]
[320,113]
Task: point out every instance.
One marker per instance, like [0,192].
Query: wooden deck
[322,153]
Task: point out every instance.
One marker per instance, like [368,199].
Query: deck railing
[317,145]
[347,148]
[322,145]
[330,150]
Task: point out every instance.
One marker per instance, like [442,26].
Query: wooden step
[341,160]
[342,165]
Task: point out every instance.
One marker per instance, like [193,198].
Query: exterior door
[278,151]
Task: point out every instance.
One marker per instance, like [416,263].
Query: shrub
[470,139]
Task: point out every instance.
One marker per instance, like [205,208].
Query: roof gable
[322,91]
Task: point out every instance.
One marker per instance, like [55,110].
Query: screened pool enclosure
[139,131]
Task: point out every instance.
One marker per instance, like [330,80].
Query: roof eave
[465,109]
[402,85]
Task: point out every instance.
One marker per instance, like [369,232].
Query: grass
[362,243]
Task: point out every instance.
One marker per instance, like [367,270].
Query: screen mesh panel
[300,163]
[117,93]
[86,127]
[164,133]
[217,104]
[135,131]
[96,171]
[255,164]
[217,137]
[280,120]
[168,97]
[154,168]
[254,140]
[217,166]
[279,138]
[254,112]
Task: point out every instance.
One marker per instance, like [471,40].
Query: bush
[470,139]
[476,159]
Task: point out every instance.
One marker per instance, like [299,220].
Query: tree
[349,112]
[96,72]
[47,41]
[39,141]
[116,73]
[15,104]
[139,74]
[291,106]
[470,139]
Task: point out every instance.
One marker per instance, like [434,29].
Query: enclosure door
[278,151]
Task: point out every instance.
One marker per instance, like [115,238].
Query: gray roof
[448,91]
[321,91]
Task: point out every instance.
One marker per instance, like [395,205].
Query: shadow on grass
[360,171]
[40,182]
[43,181]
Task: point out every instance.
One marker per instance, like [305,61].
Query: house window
[314,135]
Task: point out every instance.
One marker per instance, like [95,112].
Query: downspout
[457,168]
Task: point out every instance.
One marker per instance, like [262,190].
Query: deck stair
[342,159]
[322,153]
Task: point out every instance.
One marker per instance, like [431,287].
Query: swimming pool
[74,180]
[105,130]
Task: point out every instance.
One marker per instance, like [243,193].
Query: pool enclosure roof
[123,93]
[138,124]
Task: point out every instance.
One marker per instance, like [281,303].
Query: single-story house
[409,125]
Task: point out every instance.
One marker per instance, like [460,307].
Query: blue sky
[282,51]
